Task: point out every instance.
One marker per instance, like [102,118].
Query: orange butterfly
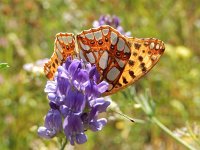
[120,60]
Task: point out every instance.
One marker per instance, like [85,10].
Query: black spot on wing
[131,73]
[124,80]
[131,62]
[140,58]
[137,46]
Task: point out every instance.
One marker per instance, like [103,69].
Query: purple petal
[120,29]
[76,64]
[87,66]
[62,73]
[97,108]
[50,87]
[92,90]
[52,96]
[73,126]
[99,104]
[97,101]
[102,17]
[81,138]
[128,34]
[94,74]
[65,111]
[67,63]
[53,120]
[103,86]
[46,133]
[102,106]
[75,100]
[93,114]
[63,85]
[97,125]
[116,21]
[81,77]
[53,124]
[95,24]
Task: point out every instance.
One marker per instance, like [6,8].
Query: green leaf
[3,65]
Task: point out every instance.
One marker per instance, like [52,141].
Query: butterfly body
[120,60]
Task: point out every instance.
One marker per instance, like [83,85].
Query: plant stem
[64,144]
[164,128]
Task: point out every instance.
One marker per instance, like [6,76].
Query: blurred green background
[27,31]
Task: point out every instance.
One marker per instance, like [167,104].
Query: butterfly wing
[145,53]
[107,49]
[64,46]
[120,60]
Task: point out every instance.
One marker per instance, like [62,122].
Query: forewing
[64,46]
[107,49]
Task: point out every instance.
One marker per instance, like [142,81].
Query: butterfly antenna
[125,116]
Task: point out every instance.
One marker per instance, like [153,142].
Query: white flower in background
[36,67]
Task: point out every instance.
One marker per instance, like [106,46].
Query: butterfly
[120,60]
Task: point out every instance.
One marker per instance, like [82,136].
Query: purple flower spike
[113,21]
[74,97]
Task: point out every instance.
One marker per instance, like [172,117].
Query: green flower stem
[164,128]
[64,144]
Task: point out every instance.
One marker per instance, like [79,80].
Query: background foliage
[27,31]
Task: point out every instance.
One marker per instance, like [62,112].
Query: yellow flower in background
[178,51]
[183,52]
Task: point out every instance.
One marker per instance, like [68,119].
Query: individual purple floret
[113,21]
[53,124]
[74,97]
